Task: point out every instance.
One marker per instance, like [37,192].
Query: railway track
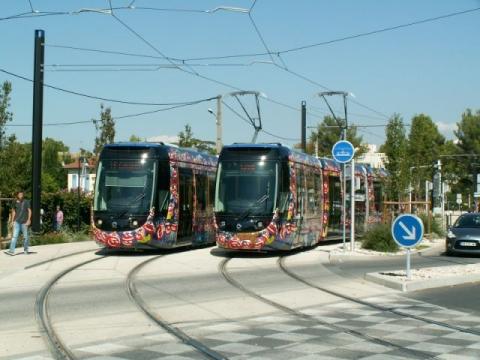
[282,266]
[134,295]
[57,348]
[407,352]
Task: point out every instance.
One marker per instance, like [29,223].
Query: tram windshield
[125,185]
[246,188]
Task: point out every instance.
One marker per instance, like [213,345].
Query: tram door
[186,205]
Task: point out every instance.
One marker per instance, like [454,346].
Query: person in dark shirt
[21,218]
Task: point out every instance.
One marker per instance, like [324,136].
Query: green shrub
[68,201]
[379,238]
[58,238]
[435,225]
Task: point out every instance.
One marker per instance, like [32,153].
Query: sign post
[342,152]
[407,231]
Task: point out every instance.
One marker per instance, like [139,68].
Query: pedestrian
[21,218]
[58,219]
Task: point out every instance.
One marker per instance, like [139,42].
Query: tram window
[311,197]
[284,188]
[318,190]
[163,185]
[211,190]
[201,191]
[300,190]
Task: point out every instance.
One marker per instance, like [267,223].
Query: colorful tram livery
[151,195]
[269,197]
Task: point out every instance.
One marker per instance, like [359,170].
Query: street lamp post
[218,122]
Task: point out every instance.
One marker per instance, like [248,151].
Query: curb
[413,285]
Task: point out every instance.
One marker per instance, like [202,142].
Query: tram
[152,195]
[269,197]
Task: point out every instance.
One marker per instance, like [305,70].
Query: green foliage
[106,127]
[379,238]
[424,147]
[58,238]
[395,148]
[15,169]
[187,140]
[52,153]
[435,225]
[68,201]
[135,138]
[5,115]
[328,133]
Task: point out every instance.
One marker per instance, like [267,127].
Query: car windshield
[125,185]
[246,187]
[468,221]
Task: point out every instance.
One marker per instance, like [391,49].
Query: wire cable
[127,102]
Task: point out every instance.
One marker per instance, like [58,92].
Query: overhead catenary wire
[94,97]
[67,123]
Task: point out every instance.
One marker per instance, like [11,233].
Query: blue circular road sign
[407,230]
[343,151]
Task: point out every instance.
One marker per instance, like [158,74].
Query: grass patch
[379,238]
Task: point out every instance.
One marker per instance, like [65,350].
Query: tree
[5,115]
[135,138]
[468,134]
[395,148]
[186,139]
[328,133]
[15,169]
[53,151]
[106,127]
[424,146]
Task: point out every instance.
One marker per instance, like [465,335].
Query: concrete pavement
[94,316]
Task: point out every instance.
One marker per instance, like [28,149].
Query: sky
[429,68]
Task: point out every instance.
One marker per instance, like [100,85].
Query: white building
[81,174]
[372,157]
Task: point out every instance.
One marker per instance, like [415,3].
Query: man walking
[21,218]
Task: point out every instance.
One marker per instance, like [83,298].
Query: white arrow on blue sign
[343,151]
[407,230]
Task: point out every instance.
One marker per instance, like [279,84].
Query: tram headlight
[99,222]
[260,225]
[134,223]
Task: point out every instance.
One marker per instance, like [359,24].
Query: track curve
[179,334]
[57,348]
[281,264]
[408,352]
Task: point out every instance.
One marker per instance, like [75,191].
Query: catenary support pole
[219,124]
[38,71]
[352,205]
[304,126]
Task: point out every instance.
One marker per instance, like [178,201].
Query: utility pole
[344,127]
[304,126]
[352,206]
[219,124]
[38,71]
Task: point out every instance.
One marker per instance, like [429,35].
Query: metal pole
[352,205]
[344,202]
[219,124]
[408,264]
[426,196]
[304,126]
[78,194]
[37,127]
[344,205]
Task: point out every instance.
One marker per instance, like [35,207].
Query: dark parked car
[464,236]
